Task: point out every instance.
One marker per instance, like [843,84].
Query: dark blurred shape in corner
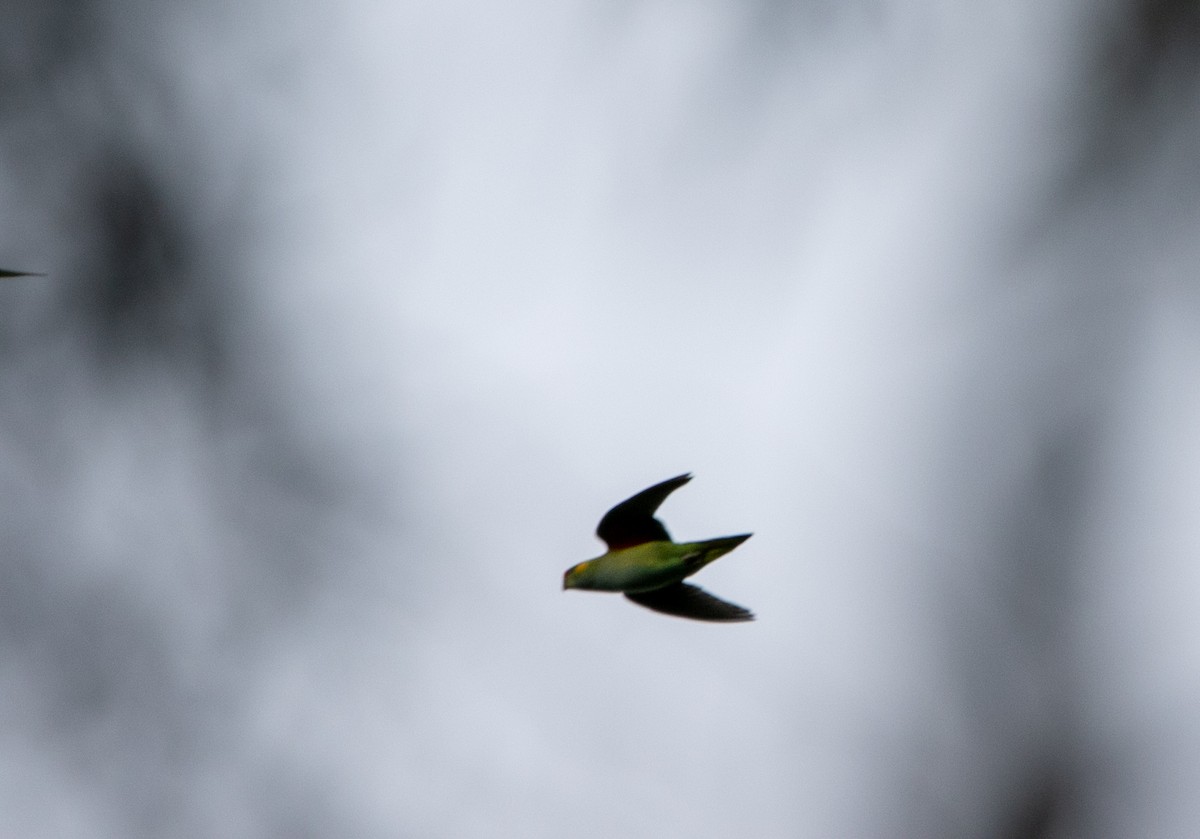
[1140,80]
[1038,814]
[1151,53]
[146,289]
[1143,65]
[172,511]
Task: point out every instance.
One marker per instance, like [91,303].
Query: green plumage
[649,565]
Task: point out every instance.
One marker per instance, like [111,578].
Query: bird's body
[649,568]
[650,565]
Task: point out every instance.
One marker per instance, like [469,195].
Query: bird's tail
[705,552]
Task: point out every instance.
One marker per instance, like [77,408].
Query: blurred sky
[360,315]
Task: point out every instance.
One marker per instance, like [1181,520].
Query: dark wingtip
[746,618]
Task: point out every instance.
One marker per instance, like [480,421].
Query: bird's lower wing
[687,601]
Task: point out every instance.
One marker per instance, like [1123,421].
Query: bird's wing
[632,522]
[6,274]
[688,601]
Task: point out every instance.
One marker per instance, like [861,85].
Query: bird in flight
[643,563]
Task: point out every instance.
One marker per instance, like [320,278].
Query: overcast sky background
[360,315]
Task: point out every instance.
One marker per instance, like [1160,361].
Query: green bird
[649,568]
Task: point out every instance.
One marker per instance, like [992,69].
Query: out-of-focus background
[359,315]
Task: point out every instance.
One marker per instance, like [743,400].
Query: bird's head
[578,576]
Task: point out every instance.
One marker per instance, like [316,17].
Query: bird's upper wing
[688,601]
[6,274]
[632,522]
